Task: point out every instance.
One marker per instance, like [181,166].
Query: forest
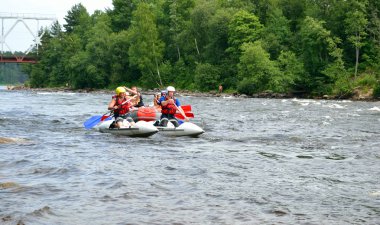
[11,73]
[305,47]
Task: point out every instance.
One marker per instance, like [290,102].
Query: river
[261,161]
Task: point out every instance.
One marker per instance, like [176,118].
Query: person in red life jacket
[169,106]
[121,104]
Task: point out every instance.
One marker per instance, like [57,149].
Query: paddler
[138,101]
[121,104]
[170,104]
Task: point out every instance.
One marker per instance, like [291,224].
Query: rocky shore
[357,95]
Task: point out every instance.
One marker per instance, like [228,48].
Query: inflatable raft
[151,114]
[140,129]
[185,129]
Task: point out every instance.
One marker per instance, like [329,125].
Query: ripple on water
[261,161]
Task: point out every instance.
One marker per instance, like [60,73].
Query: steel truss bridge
[21,18]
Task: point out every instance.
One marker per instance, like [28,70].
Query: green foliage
[183,76]
[98,51]
[243,28]
[120,71]
[121,14]
[206,77]
[255,65]
[173,25]
[146,49]
[75,17]
[321,56]
[292,70]
[12,74]
[376,90]
[367,79]
[78,75]
[276,34]
[356,23]
[314,47]
[248,86]
[166,71]
[342,87]
[218,42]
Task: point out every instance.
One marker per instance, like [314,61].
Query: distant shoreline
[356,97]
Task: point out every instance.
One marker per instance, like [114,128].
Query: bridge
[8,55]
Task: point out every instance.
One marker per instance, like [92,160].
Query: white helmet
[170,88]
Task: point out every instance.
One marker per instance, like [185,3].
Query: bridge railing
[33,16]
[17,18]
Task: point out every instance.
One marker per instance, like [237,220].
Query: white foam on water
[56,93]
[375,109]
[375,193]
[335,106]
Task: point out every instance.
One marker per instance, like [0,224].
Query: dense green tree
[146,48]
[244,27]
[98,50]
[120,72]
[199,32]
[276,34]
[206,76]
[121,14]
[56,29]
[314,47]
[256,71]
[294,11]
[75,17]
[356,23]
[12,73]
[292,71]
[79,70]
[317,49]
[176,22]
[215,50]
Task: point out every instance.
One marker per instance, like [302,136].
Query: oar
[182,113]
[180,116]
[90,123]
[94,120]
[186,108]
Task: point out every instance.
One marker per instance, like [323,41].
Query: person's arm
[131,91]
[162,101]
[111,105]
[178,106]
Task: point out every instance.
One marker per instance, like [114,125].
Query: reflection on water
[261,161]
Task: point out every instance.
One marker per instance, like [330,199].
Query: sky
[20,38]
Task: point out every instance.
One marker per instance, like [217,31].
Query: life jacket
[124,108]
[169,108]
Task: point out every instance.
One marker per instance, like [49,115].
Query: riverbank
[358,95]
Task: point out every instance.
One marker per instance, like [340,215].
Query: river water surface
[261,161]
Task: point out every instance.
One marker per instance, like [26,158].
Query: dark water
[261,161]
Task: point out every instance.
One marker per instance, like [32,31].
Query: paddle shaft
[182,112]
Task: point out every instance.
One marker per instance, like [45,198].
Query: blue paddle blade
[90,123]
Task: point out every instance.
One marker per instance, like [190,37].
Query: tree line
[11,73]
[283,46]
